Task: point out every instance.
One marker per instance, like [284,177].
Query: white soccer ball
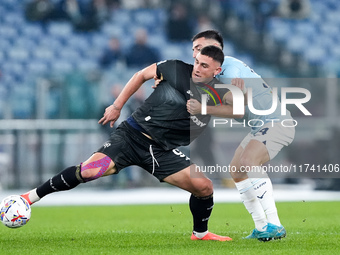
[15,211]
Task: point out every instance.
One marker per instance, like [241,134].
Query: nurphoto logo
[239,103]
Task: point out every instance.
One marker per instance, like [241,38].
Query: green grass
[312,228]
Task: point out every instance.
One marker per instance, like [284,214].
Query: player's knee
[239,176]
[89,174]
[96,168]
[205,188]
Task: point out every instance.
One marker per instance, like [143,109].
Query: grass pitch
[312,228]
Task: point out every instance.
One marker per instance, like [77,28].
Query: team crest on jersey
[210,94]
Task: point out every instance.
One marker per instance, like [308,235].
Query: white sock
[264,191]
[252,204]
[200,234]
[33,196]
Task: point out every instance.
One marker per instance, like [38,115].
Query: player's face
[205,68]
[200,43]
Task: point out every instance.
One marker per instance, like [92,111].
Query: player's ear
[217,71]
[217,45]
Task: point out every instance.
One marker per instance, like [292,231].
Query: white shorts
[273,136]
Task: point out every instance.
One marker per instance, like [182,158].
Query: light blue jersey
[262,93]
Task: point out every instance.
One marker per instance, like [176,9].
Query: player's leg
[96,166]
[247,193]
[260,191]
[201,201]
[255,154]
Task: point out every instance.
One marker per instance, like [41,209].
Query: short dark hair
[210,34]
[214,52]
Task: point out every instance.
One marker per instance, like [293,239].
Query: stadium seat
[38,67]
[112,30]
[62,66]
[329,28]
[333,16]
[297,44]
[308,29]
[99,41]
[60,29]
[32,31]
[18,54]
[79,42]
[2,56]
[14,19]
[335,52]
[22,102]
[157,40]
[121,16]
[51,42]
[87,65]
[69,54]
[171,51]
[228,49]
[146,18]
[13,69]
[8,32]
[315,55]
[43,53]
[278,29]
[25,43]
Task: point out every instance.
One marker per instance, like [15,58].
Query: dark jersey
[164,115]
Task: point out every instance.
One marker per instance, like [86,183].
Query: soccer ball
[15,211]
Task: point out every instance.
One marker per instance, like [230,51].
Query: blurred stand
[295,9]
[141,53]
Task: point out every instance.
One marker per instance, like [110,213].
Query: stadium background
[53,88]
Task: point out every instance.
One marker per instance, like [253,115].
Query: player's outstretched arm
[112,112]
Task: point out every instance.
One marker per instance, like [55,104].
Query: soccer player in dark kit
[150,136]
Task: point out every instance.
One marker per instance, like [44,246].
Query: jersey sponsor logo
[207,96]
[197,121]
[210,94]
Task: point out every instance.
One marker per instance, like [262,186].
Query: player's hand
[193,107]
[238,82]
[157,81]
[111,114]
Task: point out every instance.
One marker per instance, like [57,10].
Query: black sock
[65,180]
[201,208]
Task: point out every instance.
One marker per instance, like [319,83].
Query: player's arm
[237,82]
[223,111]
[157,81]
[112,112]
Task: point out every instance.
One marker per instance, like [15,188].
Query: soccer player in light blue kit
[266,138]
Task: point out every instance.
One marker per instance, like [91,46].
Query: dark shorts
[127,147]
